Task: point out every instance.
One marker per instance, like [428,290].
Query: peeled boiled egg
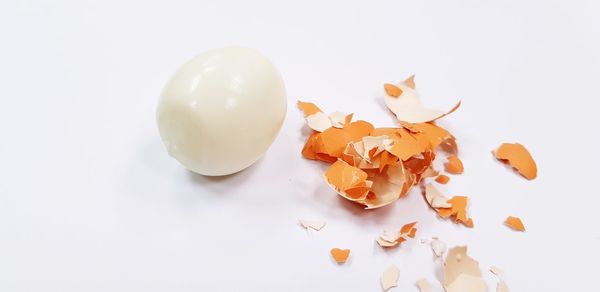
[220,111]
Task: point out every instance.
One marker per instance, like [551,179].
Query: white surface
[221,110]
[90,200]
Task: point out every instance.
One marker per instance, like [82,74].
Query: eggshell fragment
[332,142]
[392,90]
[406,104]
[309,151]
[365,154]
[348,181]
[390,239]
[410,82]
[423,285]
[409,229]
[438,246]
[394,238]
[514,223]
[315,225]
[387,187]
[405,145]
[518,157]
[461,272]
[387,159]
[458,211]
[442,179]
[308,108]
[351,183]
[319,122]
[338,119]
[433,134]
[456,207]
[454,165]
[501,286]
[340,255]
[434,198]
[390,278]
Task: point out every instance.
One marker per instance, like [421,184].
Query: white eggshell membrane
[220,111]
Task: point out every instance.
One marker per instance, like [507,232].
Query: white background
[90,201]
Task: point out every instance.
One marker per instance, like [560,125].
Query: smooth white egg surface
[220,111]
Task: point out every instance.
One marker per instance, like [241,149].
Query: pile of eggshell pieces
[377,166]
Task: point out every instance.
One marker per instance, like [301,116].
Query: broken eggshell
[461,272]
[372,166]
[405,102]
[390,278]
[391,238]
[518,157]
[221,110]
